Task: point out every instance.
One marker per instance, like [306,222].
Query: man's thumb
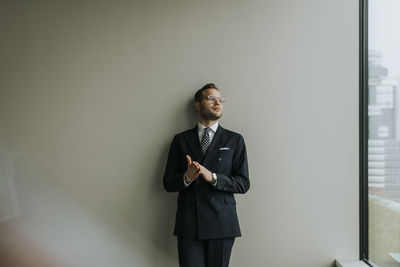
[189,160]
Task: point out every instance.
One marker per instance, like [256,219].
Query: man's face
[210,109]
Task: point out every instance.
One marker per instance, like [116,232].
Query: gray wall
[91,94]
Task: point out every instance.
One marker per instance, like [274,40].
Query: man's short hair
[199,94]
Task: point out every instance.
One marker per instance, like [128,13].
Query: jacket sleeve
[173,174]
[238,181]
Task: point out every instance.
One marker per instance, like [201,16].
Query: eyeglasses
[213,98]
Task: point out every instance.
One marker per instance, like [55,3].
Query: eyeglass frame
[213,98]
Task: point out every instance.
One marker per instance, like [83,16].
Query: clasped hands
[195,169]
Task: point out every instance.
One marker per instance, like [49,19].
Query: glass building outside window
[384,132]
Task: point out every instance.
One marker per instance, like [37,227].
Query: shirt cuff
[184,180]
[216,181]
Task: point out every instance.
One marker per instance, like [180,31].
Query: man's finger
[189,160]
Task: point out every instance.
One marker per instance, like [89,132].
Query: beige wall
[91,94]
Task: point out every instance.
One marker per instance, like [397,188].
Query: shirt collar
[212,127]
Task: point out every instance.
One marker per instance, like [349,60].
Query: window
[380,132]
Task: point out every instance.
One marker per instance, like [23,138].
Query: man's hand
[205,173]
[193,170]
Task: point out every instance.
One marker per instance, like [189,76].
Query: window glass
[384,132]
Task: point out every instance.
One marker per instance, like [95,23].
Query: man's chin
[215,117]
[218,115]
[212,115]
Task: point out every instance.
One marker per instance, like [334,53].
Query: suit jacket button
[219,159]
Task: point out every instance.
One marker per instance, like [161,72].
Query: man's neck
[207,123]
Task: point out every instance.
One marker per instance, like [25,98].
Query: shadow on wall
[65,231]
[162,237]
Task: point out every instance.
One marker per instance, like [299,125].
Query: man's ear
[197,106]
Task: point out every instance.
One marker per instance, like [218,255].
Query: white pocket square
[224,148]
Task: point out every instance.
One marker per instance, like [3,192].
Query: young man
[207,165]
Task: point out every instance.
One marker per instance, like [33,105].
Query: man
[207,165]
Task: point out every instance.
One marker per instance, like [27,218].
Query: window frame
[363,128]
[363,131]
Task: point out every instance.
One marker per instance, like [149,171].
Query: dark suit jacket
[204,211]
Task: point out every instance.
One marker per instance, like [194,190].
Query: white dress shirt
[200,131]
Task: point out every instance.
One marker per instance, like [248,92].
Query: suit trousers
[204,253]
